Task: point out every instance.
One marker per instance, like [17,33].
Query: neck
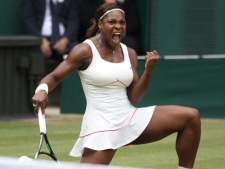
[100,41]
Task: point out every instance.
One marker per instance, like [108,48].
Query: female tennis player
[108,72]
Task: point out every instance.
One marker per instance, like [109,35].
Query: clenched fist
[151,59]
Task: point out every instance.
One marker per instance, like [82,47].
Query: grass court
[21,137]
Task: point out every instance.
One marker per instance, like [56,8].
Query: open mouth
[116,36]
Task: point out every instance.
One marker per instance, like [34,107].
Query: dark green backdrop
[10,17]
[187,27]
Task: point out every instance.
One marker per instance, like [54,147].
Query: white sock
[183,167]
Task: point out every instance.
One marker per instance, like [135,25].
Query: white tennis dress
[110,121]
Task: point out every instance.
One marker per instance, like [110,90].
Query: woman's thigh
[97,157]
[165,121]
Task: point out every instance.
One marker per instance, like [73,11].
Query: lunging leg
[170,119]
[97,157]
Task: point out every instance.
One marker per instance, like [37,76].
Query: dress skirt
[113,139]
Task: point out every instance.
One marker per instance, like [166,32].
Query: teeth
[117,33]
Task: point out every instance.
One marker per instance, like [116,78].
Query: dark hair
[93,29]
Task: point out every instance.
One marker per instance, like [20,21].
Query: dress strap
[95,52]
[89,42]
[125,52]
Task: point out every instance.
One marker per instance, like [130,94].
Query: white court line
[141,57]
[181,57]
[212,56]
[13,163]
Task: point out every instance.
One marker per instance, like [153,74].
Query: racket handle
[41,119]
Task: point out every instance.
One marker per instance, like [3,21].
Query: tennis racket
[44,154]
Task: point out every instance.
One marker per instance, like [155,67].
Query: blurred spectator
[56,21]
[39,18]
[132,39]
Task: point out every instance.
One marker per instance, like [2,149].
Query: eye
[122,22]
[111,22]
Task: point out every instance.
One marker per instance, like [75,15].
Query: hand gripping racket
[44,155]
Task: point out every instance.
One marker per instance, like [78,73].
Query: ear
[100,24]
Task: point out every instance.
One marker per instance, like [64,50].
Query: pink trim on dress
[110,130]
[108,83]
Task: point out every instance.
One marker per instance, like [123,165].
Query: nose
[118,25]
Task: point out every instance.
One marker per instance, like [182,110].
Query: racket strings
[45,152]
[44,156]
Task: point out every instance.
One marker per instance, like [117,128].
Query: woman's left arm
[139,86]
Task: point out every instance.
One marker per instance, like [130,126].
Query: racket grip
[42,122]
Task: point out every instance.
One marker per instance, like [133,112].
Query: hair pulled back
[93,29]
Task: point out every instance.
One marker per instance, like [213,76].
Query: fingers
[43,110]
[46,50]
[37,104]
[60,47]
[40,100]
[151,59]
[152,55]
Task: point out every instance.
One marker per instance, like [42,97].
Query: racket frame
[43,137]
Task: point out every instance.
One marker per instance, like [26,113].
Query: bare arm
[79,57]
[139,86]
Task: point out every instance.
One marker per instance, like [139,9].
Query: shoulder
[81,48]
[81,54]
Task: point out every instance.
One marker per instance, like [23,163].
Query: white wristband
[42,87]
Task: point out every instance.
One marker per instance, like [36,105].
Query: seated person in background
[56,21]
[131,39]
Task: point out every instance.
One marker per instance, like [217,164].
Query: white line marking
[181,57]
[218,56]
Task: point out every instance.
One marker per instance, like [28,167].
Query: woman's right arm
[79,56]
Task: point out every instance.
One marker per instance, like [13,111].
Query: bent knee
[194,115]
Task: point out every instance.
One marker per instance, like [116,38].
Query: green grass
[21,137]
